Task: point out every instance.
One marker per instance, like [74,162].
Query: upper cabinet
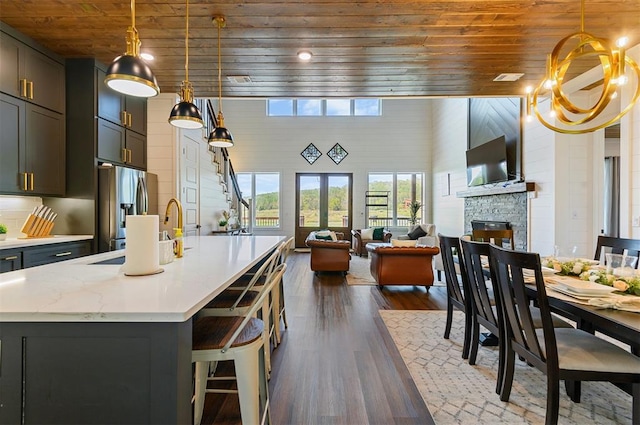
[32,118]
[30,75]
[128,111]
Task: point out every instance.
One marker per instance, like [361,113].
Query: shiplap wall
[399,140]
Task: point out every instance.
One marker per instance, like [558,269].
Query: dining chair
[497,236]
[279,311]
[486,303]
[240,339]
[457,290]
[568,354]
[608,244]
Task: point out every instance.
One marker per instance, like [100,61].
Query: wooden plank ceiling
[360,48]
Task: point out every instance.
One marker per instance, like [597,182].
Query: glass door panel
[323,201]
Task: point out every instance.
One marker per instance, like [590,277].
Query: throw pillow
[366,233]
[378,233]
[417,233]
[397,242]
[324,238]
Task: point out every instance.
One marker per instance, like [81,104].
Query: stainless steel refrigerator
[122,191]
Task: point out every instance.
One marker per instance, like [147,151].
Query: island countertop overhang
[80,291]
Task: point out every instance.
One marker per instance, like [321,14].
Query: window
[319,107]
[338,107]
[280,107]
[403,188]
[366,107]
[262,192]
[309,107]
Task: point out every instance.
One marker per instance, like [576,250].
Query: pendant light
[220,136]
[185,114]
[128,73]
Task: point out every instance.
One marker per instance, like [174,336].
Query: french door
[323,201]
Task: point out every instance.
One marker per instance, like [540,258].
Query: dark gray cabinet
[127,111]
[120,145]
[30,75]
[31,256]
[32,120]
[10,260]
[32,142]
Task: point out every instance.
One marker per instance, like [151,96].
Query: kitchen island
[81,342]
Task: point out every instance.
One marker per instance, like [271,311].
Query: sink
[117,260]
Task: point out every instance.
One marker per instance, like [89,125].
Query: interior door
[323,201]
[189,184]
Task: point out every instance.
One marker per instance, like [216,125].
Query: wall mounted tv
[491,118]
[487,163]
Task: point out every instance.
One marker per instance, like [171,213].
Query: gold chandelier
[618,70]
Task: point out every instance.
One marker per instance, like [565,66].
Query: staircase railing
[226,168]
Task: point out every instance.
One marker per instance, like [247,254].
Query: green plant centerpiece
[3,232]
[414,207]
[566,266]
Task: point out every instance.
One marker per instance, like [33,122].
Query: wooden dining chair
[608,244]
[457,290]
[499,237]
[568,354]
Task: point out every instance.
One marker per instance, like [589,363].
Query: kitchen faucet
[178,248]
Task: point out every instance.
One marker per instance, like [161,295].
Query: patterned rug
[458,393]
[359,273]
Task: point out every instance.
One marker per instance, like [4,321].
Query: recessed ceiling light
[304,55]
[147,56]
[508,77]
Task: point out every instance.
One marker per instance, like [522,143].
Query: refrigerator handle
[142,197]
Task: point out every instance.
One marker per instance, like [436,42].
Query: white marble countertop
[23,243]
[79,291]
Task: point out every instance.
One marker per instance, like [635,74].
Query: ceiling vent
[508,77]
[239,79]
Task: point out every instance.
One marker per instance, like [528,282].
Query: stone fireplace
[503,204]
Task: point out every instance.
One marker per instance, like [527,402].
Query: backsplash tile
[14,210]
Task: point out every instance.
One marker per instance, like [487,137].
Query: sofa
[426,234]
[329,255]
[361,237]
[395,265]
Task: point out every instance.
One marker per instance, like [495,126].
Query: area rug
[359,273]
[458,393]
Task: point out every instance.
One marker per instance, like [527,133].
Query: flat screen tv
[487,163]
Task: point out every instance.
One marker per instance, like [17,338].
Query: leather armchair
[430,239]
[359,244]
[329,255]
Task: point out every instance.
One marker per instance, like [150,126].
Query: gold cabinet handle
[31,180]
[123,118]
[130,120]
[130,156]
[63,254]
[25,184]
[23,87]
[30,86]
[124,155]
[13,257]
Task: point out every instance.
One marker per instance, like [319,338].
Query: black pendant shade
[220,137]
[185,115]
[131,75]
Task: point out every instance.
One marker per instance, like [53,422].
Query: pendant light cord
[133,13]
[219,68]
[581,15]
[186,45]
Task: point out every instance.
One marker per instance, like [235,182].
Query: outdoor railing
[388,221]
[267,221]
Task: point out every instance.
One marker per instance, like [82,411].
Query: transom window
[315,107]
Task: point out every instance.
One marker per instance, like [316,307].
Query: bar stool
[279,312]
[238,301]
[240,339]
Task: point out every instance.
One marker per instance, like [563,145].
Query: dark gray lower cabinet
[18,258]
[95,373]
[10,260]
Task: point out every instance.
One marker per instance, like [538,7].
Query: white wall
[399,140]
[449,119]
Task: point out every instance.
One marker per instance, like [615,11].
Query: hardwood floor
[337,363]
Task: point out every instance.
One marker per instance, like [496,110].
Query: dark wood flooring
[337,363]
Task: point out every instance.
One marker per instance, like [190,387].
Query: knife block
[37,227]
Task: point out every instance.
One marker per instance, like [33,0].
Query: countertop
[79,291]
[23,243]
